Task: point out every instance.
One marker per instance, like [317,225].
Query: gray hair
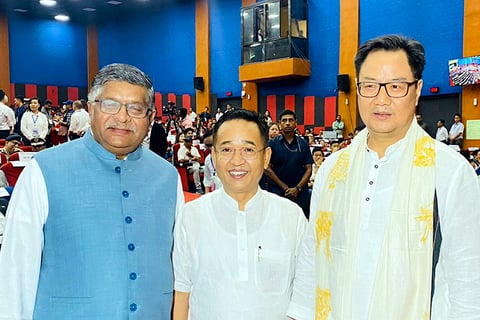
[122,72]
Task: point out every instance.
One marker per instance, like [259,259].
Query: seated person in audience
[235,249]
[211,181]
[38,144]
[317,155]
[189,156]
[12,145]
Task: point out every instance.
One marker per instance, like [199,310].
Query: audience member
[105,252]
[219,113]
[79,122]
[422,123]
[291,163]
[455,134]
[378,207]
[235,248]
[19,108]
[273,130]
[338,126]
[442,133]
[7,116]
[317,155]
[158,138]
[189,156]
[34,124]
[211,181]
[12,145]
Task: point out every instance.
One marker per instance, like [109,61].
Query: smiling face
[119,133]
[240,176]
[34,105]
[388,119]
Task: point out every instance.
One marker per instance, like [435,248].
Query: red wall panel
[186,101]
[52,94]
[290,102]
[309,111]
[272,106]
[30,90]
[330,110]
[72,93]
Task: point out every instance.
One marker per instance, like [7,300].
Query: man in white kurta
[235,249]
[372,222]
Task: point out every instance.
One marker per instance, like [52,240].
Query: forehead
[238,131]
[123,90]
[287,116]
[386,64]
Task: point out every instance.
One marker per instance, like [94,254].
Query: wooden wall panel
[471,47]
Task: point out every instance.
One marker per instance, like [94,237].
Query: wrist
[298,188]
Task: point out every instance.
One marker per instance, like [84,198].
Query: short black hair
[441,121]
[315,149]
[242,114]
[188,130]
[2,94]
[287,112]
[457,115]
[393,42]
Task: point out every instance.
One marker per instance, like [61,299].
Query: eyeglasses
[247,153]
[397,89]
[134,110]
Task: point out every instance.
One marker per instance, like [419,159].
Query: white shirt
[238,264]
[457,280]
[25,274]
[79,121]
[218,115]
[193,116]
[34,125]
[442,134]
[210,178]
[7,117]
[182,153]
[457,127]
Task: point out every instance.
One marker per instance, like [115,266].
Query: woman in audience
[273,130]
[34,124]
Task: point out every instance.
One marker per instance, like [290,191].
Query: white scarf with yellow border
[403,278]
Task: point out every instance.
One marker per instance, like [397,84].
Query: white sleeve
[22,246]
[457,278]
[181,256]
[302,305]
[25,127]
[207,172]
[44,124]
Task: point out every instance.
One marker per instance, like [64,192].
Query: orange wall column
[4,56]
[347,102]
[471,47]
[250,98]
[202,55]
[92,53]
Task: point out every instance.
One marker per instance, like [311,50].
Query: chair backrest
[176,146]
[11,173]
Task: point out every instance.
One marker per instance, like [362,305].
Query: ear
[152,115]
[418,90]
[267,156]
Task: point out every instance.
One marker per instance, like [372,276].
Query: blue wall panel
[437,24]
[323,35]
[225,47]
[162,44]
[47,52]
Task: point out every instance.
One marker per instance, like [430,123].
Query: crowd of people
[378,224]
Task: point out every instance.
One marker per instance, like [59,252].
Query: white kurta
[457,285]
[238,264]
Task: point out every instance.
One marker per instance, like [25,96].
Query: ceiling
[82,11]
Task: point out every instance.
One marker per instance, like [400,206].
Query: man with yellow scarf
[378,206]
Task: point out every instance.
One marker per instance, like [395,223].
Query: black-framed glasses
[134,110]
[247,153]
[395,89]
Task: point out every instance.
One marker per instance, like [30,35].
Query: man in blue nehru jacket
[92,239]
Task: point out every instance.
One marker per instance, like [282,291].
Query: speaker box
[198,83]
[343,82]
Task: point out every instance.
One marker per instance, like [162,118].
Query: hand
[291,193]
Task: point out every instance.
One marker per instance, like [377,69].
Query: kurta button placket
[133,307]
[118,169]
[131,246]
[133,276]
[128,220]
[125,194]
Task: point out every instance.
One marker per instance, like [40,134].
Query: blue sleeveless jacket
[108,235]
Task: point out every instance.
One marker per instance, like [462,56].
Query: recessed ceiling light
[62,17]
[48,3]
[114,2]
[89,9]
[20,10]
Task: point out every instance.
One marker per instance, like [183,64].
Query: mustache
[112,124]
